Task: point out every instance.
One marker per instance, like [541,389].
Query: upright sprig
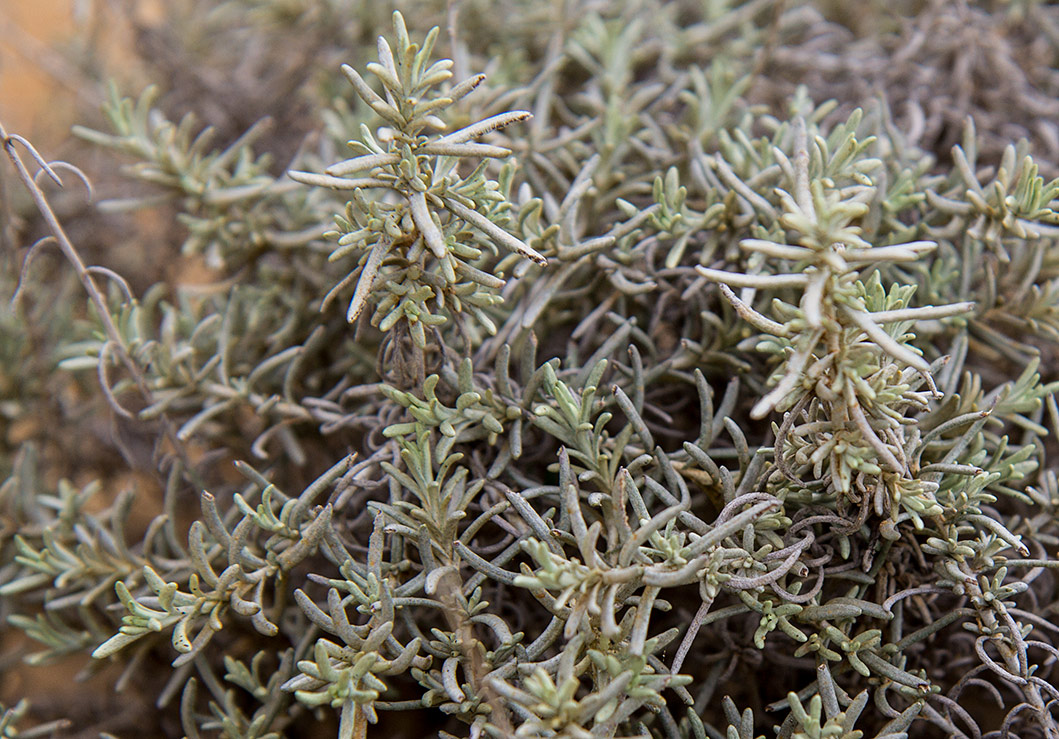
[418,251]
[848,361]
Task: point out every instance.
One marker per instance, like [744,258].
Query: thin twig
[114,337]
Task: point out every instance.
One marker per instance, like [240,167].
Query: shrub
[622,390]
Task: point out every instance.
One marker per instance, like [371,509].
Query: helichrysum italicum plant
[690,405]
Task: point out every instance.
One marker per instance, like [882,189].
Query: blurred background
[50,50]
[42,83]
[27,31]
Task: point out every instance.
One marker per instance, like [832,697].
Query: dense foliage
[646,369]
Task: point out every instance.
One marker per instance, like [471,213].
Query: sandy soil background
[43,90]
[32,89]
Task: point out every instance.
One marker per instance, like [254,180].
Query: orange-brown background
[31,98]
[44,45]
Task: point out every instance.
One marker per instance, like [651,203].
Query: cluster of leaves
[652,403]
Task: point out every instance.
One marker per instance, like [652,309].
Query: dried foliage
[597,382]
